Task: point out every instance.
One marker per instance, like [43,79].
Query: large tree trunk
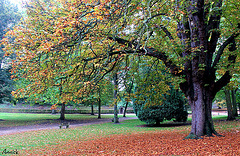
[62,113]
[201,106]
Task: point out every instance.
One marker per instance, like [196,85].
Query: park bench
[64,124]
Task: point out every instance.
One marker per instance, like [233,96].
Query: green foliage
[8,17]
[106,91]
[173,106]
[5,85]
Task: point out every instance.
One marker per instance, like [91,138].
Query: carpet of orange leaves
[152,143]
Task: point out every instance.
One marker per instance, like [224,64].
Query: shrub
[172,107]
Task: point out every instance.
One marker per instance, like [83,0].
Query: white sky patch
[18,2]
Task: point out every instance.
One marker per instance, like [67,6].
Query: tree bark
[229,105]
[92,109]
[239,107]
[62,113]
[201,106]
[234,103]
[99,108]
[125,109]
[115,81]
[129,89]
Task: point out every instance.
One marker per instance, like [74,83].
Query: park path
[43,126]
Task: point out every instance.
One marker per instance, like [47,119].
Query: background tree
[128,83]
[231,99]
[229,103]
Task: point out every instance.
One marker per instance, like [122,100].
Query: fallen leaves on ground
[169,142]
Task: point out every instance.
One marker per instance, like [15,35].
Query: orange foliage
[47,42]
[152,143]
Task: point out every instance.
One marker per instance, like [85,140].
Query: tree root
[192,136]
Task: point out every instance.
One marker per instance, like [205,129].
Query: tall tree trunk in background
[239,108]
[99,108]
[92,109]
[99,102]
[125,109]
[234,103]
[115,81]
[229,105]
[62,113]
[129,89]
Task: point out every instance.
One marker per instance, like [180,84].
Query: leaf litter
[164,142]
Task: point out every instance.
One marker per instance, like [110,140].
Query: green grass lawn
[33,139]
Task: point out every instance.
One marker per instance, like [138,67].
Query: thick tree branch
[213,31]
[154,17]
[148,52]
[222,47]
[213,27]
[169,35]
[225,79]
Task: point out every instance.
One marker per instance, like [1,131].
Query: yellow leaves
[13,93]
[181,12]
[54,107]
[48,37]
[97,65]
[99,17]
[13,76]
[58,31]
